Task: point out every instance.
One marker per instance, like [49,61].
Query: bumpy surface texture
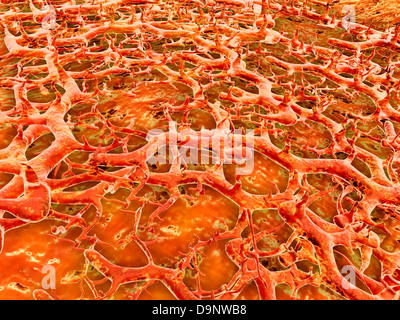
[83,82]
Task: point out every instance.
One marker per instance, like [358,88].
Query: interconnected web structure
[79,95]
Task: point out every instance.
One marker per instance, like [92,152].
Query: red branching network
[83,84]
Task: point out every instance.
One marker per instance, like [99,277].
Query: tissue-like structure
[86,211]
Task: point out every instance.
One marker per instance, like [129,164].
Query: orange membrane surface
[86,211]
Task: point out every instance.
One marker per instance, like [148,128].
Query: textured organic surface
[78,193]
